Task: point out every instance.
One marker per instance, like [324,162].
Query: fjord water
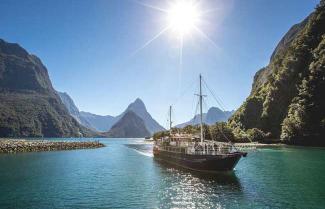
[125,175]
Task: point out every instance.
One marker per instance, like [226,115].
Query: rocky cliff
[287,98]
[29,105]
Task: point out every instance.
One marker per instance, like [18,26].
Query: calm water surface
[127,176]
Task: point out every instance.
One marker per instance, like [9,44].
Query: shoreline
[23,145]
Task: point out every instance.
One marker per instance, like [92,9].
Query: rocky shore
[21,145]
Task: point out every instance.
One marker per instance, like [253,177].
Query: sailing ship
[194,152]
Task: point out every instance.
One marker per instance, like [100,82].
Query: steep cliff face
[74,111]
[261,76]
[288,91]
[29,106]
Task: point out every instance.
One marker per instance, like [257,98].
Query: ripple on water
[119,176]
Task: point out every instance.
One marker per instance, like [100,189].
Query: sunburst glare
[182,17]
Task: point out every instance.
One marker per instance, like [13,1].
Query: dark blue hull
[201,163]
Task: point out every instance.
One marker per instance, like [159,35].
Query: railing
[197,151]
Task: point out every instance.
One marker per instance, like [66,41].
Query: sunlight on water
[143,149]
[145,153]
[125,175]
[188,190]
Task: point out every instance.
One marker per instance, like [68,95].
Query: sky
[94,49]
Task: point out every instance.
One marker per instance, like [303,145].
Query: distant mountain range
[95,122]
[100,123]
[29,105]
[105,123]
[213,115]
[115,125]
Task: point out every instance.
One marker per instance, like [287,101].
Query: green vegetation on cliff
[29,105]
[287,99]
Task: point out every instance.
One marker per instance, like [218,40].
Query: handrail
[191,151]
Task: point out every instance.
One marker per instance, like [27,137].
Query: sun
[183,17]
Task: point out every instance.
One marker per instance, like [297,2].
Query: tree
[255,134]
[221,132]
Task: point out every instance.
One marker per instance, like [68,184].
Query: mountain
[287,98]
[89,120]
[129,126]
[99,122]
[73,110]
[213,115]
[104,123]
[140,109]
[29,105]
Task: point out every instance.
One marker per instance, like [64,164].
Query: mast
[201,114]
[170,120]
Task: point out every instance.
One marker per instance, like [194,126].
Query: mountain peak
[139,108]
[68,102]
[130,125]
[138,101]
[12,49]
[137,105]
[214,110]
[21,71]
[213,115]
[25,87]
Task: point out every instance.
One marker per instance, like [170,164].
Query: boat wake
[143,149]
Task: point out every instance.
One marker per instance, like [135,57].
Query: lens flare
[183,17]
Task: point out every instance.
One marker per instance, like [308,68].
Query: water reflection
[223,178]
[181,188]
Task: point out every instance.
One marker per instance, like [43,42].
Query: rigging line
[195,113]
[205,104]
[183,93]
[206,100]
[173,117]
[222,109]
[212,92]
[218,100]
[219,103]
[194,107]
[223,134]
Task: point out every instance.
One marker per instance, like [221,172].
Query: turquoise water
[120,176]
